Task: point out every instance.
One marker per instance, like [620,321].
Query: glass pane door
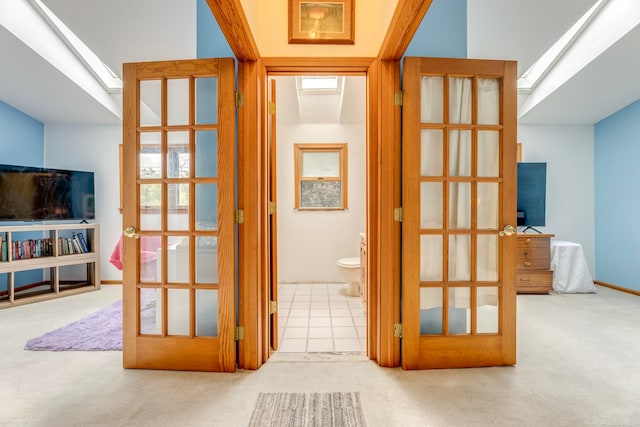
[179,283]
[458,192]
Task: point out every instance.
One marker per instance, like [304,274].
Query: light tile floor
[319,317]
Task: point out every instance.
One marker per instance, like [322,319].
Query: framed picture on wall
[321,22]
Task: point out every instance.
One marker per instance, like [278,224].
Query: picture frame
[321,22]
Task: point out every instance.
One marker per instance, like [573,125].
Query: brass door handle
[131,232]
[508,230]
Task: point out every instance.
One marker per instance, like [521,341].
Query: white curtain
[459,165]
[488,194]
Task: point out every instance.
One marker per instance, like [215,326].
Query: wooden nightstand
[533,258]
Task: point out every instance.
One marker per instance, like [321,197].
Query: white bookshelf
[29,272]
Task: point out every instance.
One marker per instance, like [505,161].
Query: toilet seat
[349,262]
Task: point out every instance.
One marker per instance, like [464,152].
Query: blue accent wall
[21,143]
[209,38]
[211,43]
[443,31]
[21,138]
[617,201]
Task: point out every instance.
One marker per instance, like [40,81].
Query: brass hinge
[239,333]
[239,99]
[398,98]
[238,216]
[272,208]
[397,330]
[272,108]
[273,307]
[398,214]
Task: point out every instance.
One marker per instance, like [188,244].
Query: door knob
[508,230]
[131,232]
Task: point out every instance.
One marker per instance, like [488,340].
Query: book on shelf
[83,242]
[16,250]
[76,245]
[63,246]
[3,250]
[70,244]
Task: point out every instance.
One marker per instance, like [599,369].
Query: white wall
[569,154]
[310,243]
[92,148]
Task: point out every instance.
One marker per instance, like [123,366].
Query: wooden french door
[458,196]
[179,186]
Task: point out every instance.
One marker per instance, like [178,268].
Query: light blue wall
[21,138]
[21,143]
[443,31]
[617,207]
[211,43]
[209,38]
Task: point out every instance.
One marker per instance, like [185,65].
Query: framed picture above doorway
[318,22]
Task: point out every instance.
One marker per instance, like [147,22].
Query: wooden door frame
[383,195]
[252,266]
[383,178]
[387,243]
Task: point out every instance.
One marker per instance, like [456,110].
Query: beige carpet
[308,410]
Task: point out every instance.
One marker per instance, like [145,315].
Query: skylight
[319,84]
[33,24]
[533,75]
[99,69]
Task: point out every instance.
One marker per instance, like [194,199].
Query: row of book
[36,248]
[76,244]
[32,248]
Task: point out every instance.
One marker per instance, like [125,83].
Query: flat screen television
[532,194]
[39,194]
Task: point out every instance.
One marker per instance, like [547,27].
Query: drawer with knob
[533,259]
[535,282]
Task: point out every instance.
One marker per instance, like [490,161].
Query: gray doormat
[308,410]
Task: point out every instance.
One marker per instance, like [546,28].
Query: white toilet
[349,268]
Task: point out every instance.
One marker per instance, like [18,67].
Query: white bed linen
[570,270]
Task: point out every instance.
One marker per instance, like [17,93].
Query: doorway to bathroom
[318,141]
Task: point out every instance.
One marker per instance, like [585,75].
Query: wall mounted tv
[39,194]
[532,192]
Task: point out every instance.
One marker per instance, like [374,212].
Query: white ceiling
[347,107]
[120,31]
[523,30]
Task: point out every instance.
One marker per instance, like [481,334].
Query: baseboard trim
[617,288]
[111,282]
